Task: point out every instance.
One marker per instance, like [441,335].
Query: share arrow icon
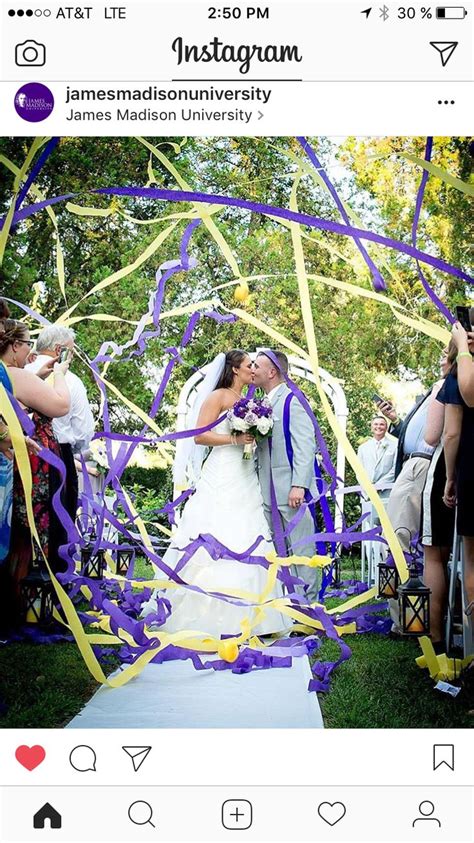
[366,12]
[445,49]
[137,754]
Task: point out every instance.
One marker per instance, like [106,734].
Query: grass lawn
[381,687]
[45,685]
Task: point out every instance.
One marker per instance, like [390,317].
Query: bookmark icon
[443,756]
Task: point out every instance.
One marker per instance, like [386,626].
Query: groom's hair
[281,359]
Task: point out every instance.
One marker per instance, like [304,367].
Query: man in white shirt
[73,431]
[378,456]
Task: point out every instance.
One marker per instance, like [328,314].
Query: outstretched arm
[435,417]
[53,401]
[465,367]
[452,433]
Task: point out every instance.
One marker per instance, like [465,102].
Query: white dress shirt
[273,392]
[77,427]
[414,441]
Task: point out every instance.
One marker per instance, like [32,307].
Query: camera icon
[30,54]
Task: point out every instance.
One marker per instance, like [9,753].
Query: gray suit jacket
[304,448]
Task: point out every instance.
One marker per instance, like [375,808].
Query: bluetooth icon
[384,13]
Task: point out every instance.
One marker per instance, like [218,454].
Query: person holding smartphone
[38,398]
[458,397]
[73,431]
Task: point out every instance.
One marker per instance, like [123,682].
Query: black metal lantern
[388,581]
[414,605]
[124,556]
[36,595]
[93,563]
[336,571]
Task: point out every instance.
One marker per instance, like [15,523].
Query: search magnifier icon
[140,813]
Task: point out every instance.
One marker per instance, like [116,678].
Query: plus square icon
[237,814]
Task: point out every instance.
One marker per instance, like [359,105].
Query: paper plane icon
[445,49]
[366,12]
[137,754]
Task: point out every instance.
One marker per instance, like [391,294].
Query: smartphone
[377,399]
[208,144]
[463,317]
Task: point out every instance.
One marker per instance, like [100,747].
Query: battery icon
[451,12]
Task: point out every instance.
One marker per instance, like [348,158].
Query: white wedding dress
[227,504]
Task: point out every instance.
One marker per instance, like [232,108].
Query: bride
[227,504]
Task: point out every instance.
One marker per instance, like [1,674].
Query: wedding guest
[378,455]
[96,477]
[6,473]
[437,523]
[411,468]
[41,398]
[74,430]
[458,396]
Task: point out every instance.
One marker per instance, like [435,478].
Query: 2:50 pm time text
[236,12]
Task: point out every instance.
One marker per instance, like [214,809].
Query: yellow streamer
[121,273]
[193,639]
[440,173]
[39,195]
[206,209]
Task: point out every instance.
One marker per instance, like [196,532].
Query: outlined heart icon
[331,812]
[30,756]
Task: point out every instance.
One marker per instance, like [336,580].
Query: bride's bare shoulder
[218,400]
[215,399]
[224,397]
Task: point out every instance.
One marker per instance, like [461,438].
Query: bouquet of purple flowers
[254,416]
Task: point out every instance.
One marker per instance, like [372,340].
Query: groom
[287,461]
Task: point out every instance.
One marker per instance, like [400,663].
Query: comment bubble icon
[83,759]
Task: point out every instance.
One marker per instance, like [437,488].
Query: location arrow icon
[445,49]
[366,12]
[137,754]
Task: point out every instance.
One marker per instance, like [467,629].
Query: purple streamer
[379,283]
[124,615]
[49,148]
[414,234]
[257,207]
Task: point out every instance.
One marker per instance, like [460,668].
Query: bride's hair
[233,360]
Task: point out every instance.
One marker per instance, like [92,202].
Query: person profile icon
[426,808]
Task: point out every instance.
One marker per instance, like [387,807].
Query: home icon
[47,812]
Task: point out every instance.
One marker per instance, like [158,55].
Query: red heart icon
[30,756]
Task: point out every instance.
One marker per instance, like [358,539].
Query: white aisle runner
[174,695]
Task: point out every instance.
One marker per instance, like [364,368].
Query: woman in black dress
[437,519]
[458,396]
